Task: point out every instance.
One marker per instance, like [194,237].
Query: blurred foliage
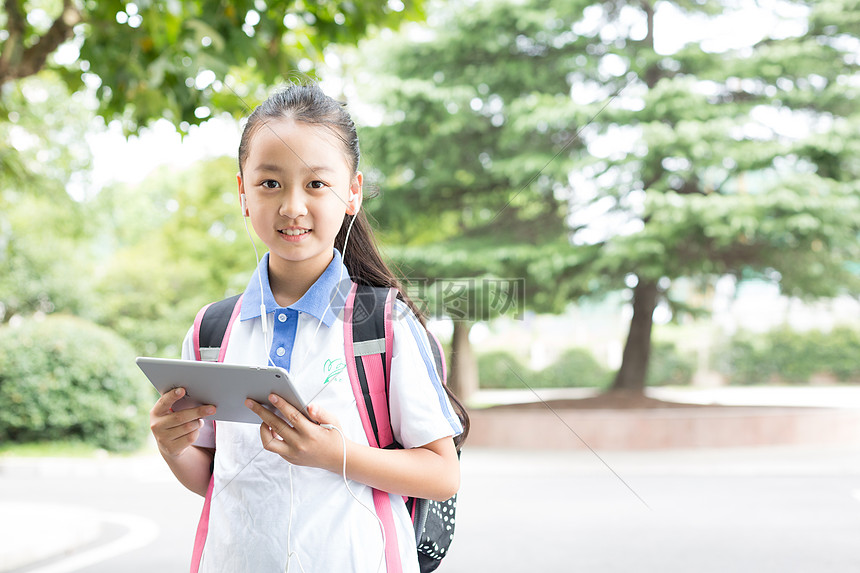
[551,141]
[184,59]
[64,378]
[669,366]
[138,258]
[465,190]
[179,244]
[503,370]
[45,234]
[44,260]
[784,355]
[577,368]
[43,127]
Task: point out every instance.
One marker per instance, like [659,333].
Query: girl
[278,490]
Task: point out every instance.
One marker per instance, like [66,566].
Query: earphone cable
[290,552]
[334,294]
[264,318]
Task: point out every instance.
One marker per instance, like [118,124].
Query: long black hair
[309,104]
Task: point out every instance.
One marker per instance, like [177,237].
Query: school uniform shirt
[262,509]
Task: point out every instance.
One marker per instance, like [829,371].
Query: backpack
[368,338]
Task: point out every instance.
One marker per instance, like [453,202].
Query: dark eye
[317,185]
[270,184]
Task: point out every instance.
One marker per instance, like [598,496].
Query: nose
[293,204]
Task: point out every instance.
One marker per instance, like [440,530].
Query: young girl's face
[298,185]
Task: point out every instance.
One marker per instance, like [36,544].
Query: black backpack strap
[211,326]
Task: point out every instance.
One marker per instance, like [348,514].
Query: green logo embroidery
[332,368]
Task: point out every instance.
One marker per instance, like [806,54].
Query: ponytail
[366,267]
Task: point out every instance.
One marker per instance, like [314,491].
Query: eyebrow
[318,168]
[267,167]
[277,168]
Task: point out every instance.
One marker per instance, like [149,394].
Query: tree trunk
[463,373]
[634,362]
[18,60]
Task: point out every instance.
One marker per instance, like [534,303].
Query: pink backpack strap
[352,369]
[389,337]
[371,395]
[198,320]
[212,327]
[202,528]
[213,330]
[382,504]
[236,310]
[368,339]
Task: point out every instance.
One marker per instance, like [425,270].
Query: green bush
[744,360]
[574,368]
[839,352]
[495,371]
[784,355]
[63,378]
[667,366]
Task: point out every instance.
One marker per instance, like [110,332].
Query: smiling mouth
[294,232]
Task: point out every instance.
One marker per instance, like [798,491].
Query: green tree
[472,199]
[180,60]
[547,123]
[731,164]
[45,249]
[177,244]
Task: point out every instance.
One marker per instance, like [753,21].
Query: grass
[70,449]
[64,449]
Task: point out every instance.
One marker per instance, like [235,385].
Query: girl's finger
[270,420]
[289,413]
[282,405]
[166,401]
[321,416]
[272,441]
[267,416]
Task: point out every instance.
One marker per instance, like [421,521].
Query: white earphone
[353,203]
[244,204]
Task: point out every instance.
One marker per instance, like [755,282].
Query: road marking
[141,532]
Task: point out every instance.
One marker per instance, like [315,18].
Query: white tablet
[225,386]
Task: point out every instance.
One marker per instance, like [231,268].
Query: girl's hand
[176,431]
[299,440]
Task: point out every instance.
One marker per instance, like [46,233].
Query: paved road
[780,510]
[759,510]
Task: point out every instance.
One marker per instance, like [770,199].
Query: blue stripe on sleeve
[422,340]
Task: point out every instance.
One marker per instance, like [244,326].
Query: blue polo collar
[324,300]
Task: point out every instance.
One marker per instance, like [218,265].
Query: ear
[243,201]
[355,198]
